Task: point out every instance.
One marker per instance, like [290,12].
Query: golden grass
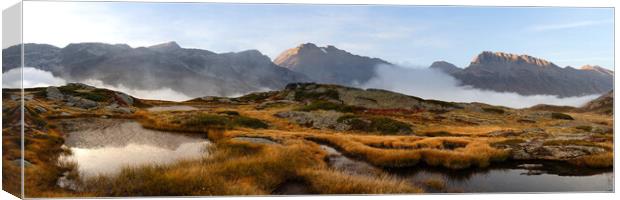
[466,130]
[475,153]
[11,178]
[330,181]
[602,160]
[435,183]
[240,168]
[237,168]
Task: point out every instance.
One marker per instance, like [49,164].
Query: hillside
[294,140]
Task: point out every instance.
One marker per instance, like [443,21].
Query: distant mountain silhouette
[329,64]
[527,75]
[195,72]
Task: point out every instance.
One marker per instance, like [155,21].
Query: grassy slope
[439,139]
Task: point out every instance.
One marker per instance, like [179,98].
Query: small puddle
[171,108]
[120,143]
[341,162]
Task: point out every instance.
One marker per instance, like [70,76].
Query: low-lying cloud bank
[433,84]
[158,94]
[39,78]
[32,78]
[421,82]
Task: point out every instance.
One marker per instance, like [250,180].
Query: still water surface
[115,143]
[504,177]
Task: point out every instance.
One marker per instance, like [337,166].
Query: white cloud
[38,78]
[569,25]
[32,78]
[432,84]
[159,94]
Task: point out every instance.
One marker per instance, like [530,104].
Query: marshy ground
[305,139]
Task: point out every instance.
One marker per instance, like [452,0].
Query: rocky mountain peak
[172,45]
[597,68]
[307,45]
[329,64]
[445,67]
[489,57]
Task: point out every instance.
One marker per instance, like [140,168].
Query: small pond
[508,177]
[104,146]
[515,177]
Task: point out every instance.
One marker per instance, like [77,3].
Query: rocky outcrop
[317,120]
[603,104]
[366,98]
[124,98]
[53,93]
[528,75]
[537,150]
[80,102]
[329,64]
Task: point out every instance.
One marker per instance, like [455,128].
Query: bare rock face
[126,99]
[528,75]
[317,120]
[53,93]
[329,64]
[538,151]
[81,102]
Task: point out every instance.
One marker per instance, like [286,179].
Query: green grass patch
[229,113]
[257,96]
[250,122]
[557,115]
[301,95]
[383,125]
[207,120]
[443,103]
[222,121]
[98,95]
[440,134]
[389,126]
[494,110]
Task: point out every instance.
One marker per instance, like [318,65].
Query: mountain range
[194,72]
[198,72]
[527,75]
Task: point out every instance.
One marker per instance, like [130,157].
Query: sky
[406,35]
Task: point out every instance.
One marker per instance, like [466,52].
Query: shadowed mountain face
[329,64]
[194,72]
[528,75]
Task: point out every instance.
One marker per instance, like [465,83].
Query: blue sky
[410,35]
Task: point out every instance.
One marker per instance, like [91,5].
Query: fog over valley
[421,82]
